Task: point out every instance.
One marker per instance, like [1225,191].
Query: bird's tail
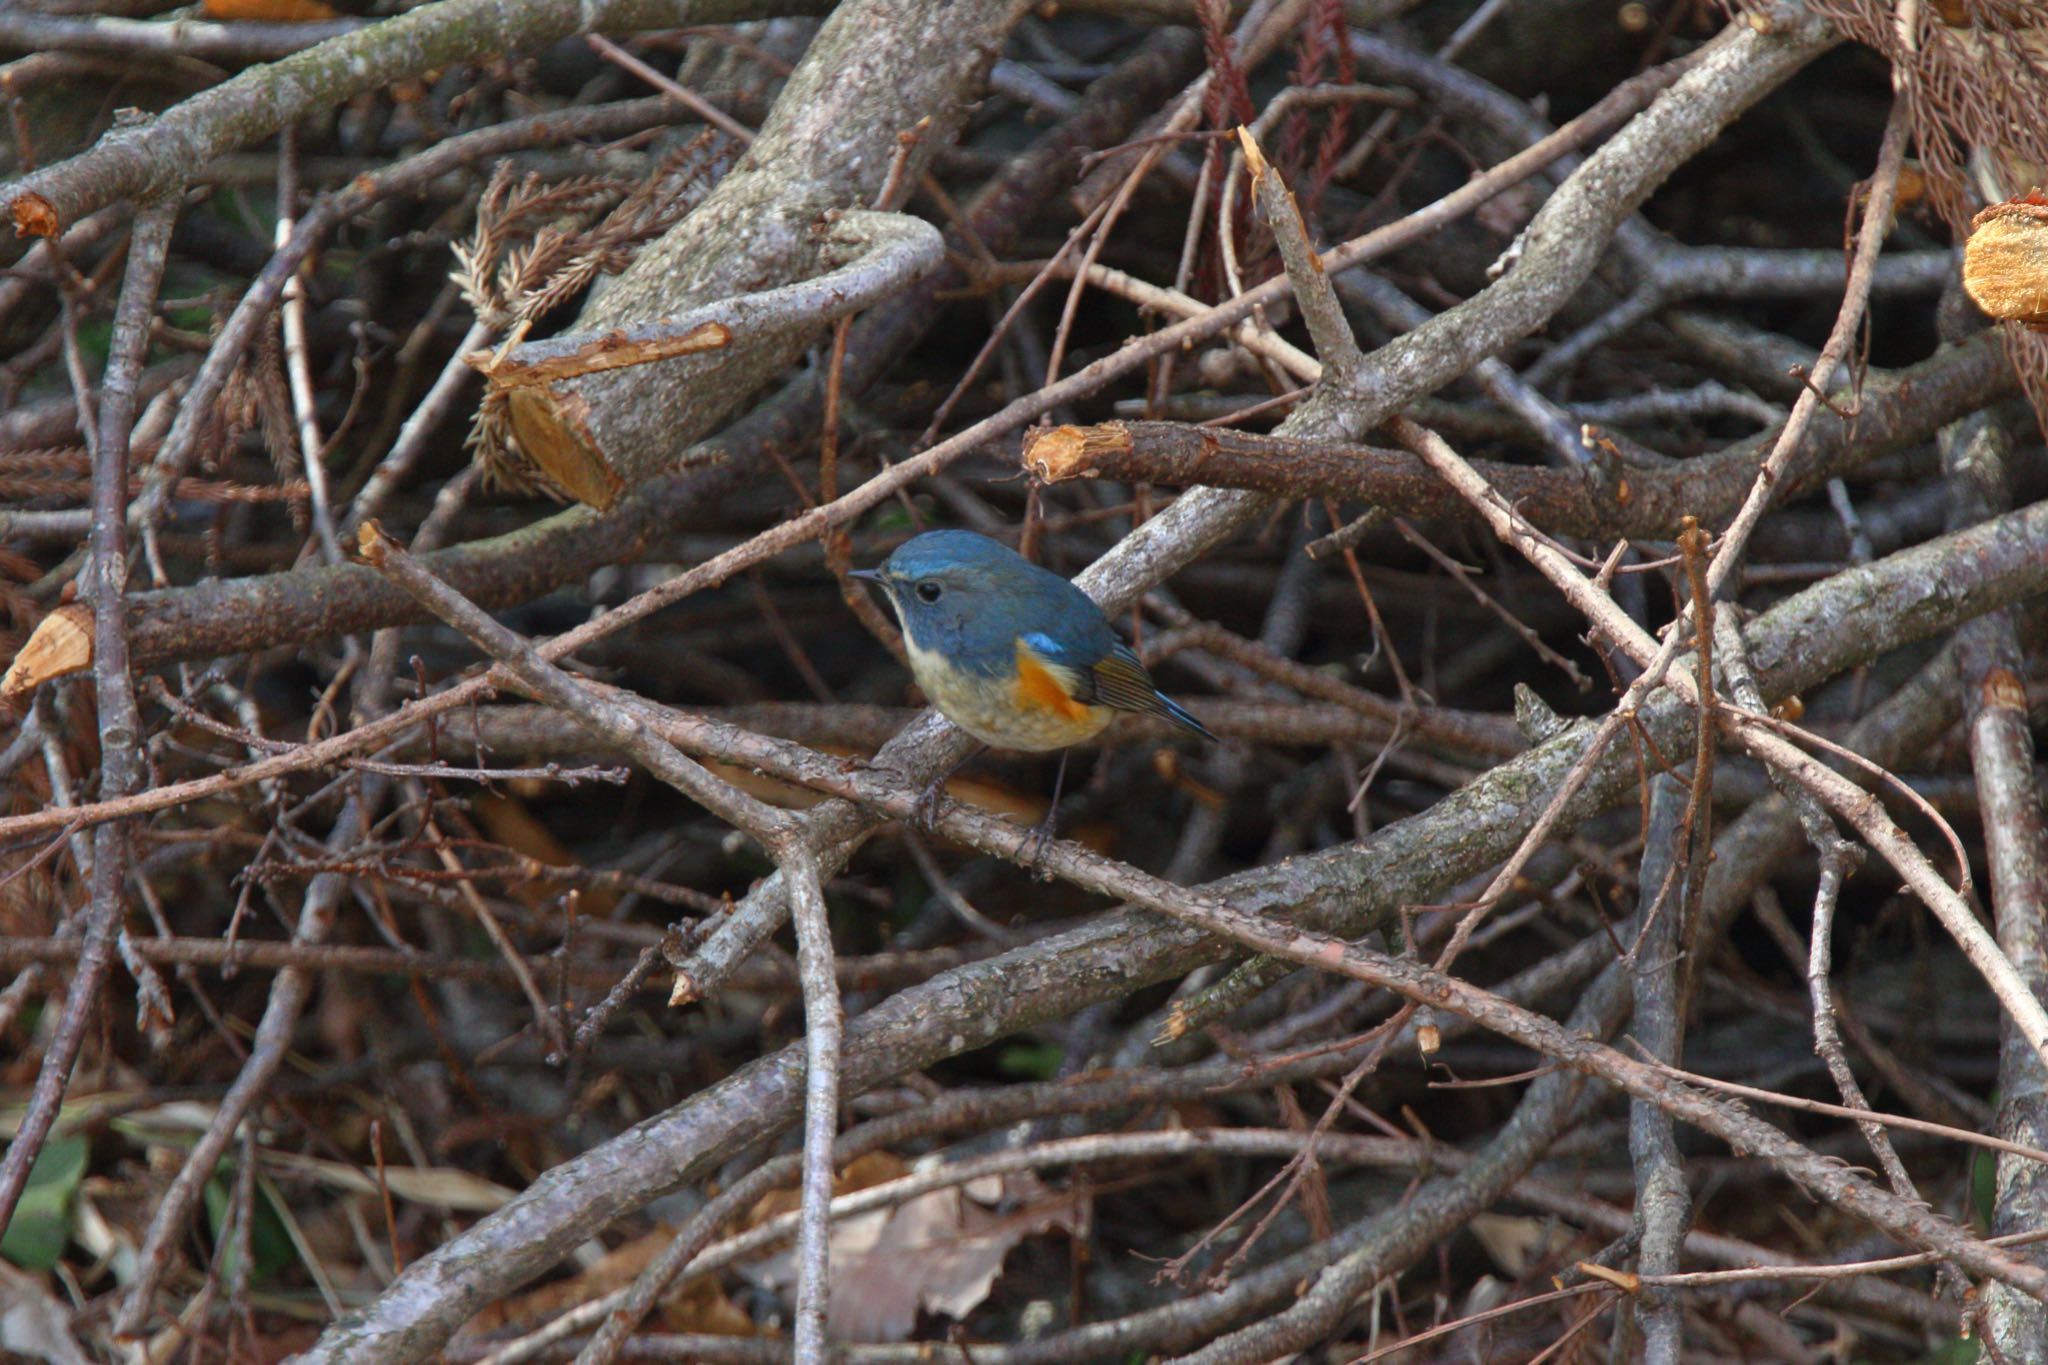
[1180,716]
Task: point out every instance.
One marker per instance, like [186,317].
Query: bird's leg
[926,811]
[1041,835]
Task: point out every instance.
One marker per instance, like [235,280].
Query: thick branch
[1604,501]
[871,257]
[877,69]
[135,162]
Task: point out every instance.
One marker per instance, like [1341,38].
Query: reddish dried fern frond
[1228,99]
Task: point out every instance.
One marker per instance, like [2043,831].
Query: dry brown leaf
[701,1307]
[34,1323]
[1520,1245]
[706,1308]
[939,1252]
[446,1187]
[614,1270]
[785,795]
[863,1172]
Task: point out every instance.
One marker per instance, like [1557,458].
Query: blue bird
[1011,653]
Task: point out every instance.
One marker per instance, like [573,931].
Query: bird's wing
[1116,679]
[1122,682]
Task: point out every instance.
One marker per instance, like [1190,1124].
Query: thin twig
[120,723]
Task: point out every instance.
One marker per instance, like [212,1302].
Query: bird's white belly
[992,710]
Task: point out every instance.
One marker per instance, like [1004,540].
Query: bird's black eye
[929,591]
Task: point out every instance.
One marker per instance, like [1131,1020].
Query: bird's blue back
[994,596]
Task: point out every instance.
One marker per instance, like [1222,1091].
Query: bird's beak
[866,575]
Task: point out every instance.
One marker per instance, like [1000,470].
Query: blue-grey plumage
[1012,653]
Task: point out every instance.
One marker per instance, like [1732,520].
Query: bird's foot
[1038,842]
[925,811]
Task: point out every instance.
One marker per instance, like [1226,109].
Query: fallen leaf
[34,1323]
[863,1172]
[939,1252]
[699,1307]
[509,821]
[704,1307]
[1519,1245]
[446,1187]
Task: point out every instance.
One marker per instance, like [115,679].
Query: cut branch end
[2005,262]
[1069,452]
[60,644]
[34,216]
[371,542]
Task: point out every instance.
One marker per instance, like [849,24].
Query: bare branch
[120,723]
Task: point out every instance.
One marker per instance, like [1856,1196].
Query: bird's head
[955,589]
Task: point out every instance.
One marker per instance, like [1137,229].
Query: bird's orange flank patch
[1039,687]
